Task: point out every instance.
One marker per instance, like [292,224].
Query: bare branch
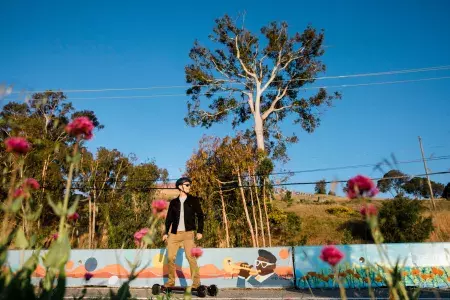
[275,101]
[250,101]
[238,56]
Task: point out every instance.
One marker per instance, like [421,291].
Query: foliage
[248,79]
[107,181]
[402,222]
[418,187]
[389,182]
[288,198]
[340,211]
[446,192]
[321,187]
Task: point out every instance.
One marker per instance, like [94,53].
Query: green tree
[259,80]
[392,180]
[402,221]
[416,186]
[321,187]
[446,192]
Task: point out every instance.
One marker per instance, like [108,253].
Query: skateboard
[202,290]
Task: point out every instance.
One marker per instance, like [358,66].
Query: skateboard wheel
[156,289]
[201,291]
[213,290]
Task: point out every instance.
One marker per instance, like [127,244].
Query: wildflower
[331,255]
[139,235]
[19,193]
[81,126]
[88,276]
[159,206]
[73,217]
[55,236]
[360,186]
[17,145]
[369,210]
[31,183]
[196,252]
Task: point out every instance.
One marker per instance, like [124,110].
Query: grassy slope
[322,227]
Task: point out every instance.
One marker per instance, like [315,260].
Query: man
[265,265]
[181,216]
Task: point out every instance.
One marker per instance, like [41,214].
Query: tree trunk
[254,216]
[224,216]
[93,225]
[90,224]
[259,131]
[265,210]
[259,209]
[250,226]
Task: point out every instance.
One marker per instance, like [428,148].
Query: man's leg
[173,244]
[188,245]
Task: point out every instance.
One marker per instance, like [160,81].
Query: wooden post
[426,172]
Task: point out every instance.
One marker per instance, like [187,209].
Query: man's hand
[245,272]
[164,238]
[199,236]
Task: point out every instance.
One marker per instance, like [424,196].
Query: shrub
[331,193]
[340,211]
[402,222]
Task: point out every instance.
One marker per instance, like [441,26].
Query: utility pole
[426,172]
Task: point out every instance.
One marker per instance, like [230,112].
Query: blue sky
[110,44]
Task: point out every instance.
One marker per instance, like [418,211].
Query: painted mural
[425,265]
[232,268]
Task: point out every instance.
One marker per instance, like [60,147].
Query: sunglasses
[262,263]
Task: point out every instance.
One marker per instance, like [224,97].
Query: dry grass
[322,227]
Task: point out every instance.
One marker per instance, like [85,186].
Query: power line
[268,90]
[275,184]
[405,71]
[444,157]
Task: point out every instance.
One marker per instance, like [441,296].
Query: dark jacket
[192,210]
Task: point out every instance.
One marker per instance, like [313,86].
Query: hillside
[333,219]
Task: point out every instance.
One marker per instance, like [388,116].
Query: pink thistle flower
[32,183]
[55,236]
[139,235]
[81,126]
[369,210]
[88,276]
[19,193]
[73,217]
[360,186]
[17,145]
[159,205]
[196,252]
[331,255]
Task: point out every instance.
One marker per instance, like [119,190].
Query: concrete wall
[426,265]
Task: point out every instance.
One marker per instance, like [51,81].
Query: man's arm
[200,217]
[168,218]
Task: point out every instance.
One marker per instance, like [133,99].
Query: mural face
[241,267]
[425,265]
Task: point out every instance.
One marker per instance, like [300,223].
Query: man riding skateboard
[180,221]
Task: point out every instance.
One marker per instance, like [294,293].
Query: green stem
[9,200]
[62,220]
